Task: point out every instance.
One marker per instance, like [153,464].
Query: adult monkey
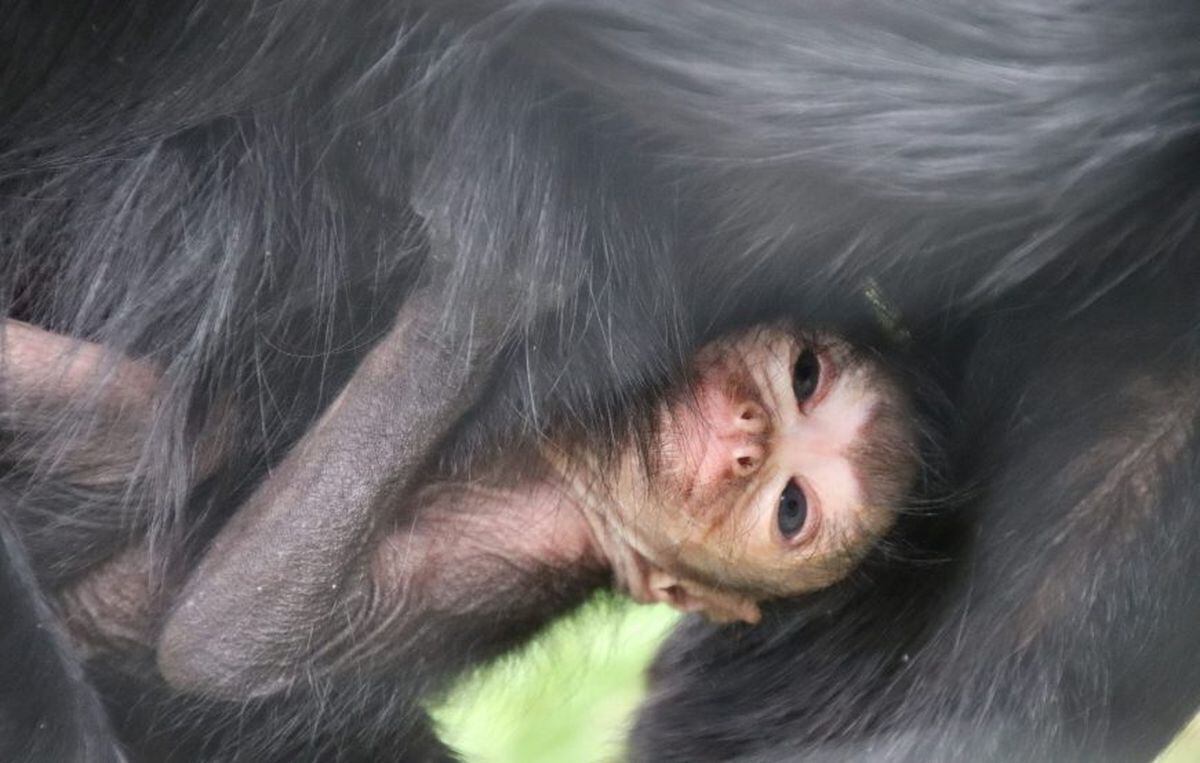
[222,188]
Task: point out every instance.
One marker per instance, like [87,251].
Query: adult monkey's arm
[283,577]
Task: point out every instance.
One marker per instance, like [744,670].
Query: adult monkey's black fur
[244,193]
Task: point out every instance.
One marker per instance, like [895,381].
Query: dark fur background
[242,193]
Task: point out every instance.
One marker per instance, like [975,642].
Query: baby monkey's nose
[746,426]
[723,435]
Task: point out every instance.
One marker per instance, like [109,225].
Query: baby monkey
[769,473]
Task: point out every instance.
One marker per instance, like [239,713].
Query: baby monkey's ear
[689,596]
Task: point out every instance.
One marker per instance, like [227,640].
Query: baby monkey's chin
[610,509]
[632,536]
[617,550]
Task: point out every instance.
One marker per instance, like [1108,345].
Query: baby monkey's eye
[793,510]
[806,376]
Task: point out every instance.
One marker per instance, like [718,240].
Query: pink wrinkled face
[768,478]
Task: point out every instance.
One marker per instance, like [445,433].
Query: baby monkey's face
[786,457]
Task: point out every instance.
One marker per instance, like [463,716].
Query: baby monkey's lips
[687,465]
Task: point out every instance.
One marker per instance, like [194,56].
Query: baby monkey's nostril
[747,459]
[750,418]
